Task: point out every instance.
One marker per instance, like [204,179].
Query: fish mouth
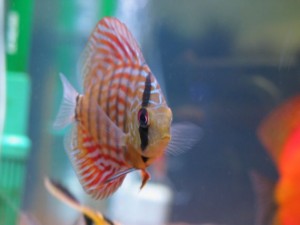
[166,137]
[165,141]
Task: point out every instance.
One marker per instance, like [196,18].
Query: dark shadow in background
[212,182]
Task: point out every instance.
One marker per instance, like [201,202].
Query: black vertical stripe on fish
[145,101]
[147,91]
[144,137]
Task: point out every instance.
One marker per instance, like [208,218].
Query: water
[223,66]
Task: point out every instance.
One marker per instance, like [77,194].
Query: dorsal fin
[110,44]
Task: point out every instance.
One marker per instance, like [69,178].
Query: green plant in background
[18,33]
[2,73]
[15,144]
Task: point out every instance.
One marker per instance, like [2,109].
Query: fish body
[121,121]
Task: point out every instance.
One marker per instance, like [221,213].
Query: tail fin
[66,113]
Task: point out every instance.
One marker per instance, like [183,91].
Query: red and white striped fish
[122,121]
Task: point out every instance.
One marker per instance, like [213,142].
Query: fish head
[148,134]
[154,130]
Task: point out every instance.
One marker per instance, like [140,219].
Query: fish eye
[143,118]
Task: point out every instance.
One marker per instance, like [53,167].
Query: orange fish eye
[143,118]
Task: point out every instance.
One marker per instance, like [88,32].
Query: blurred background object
[2,72]
[15,143]
[222,65]
[279,132]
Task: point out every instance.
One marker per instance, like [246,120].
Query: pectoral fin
[183,137]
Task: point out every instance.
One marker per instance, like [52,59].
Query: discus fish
[121,122]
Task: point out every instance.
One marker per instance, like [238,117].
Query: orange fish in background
[280,134]
[121,121]
[279,125]
[288,187]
